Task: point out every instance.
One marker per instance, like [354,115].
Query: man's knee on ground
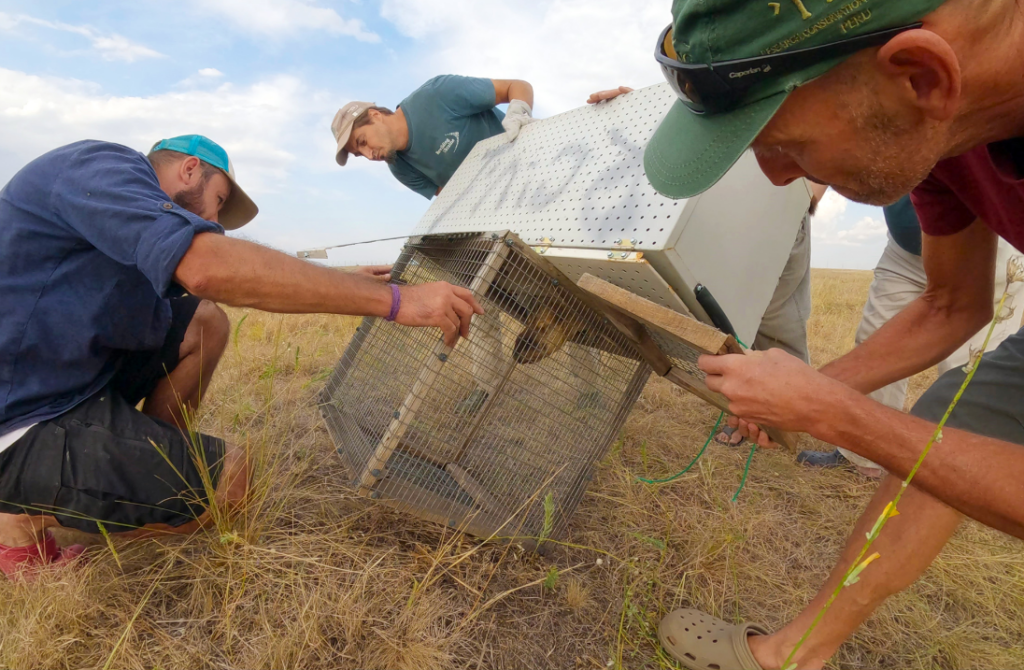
[208,331]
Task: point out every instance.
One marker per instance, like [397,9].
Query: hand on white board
[601,96]
[518,115]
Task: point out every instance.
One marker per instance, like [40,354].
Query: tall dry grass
[314,578]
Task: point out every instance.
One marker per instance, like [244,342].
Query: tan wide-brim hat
[341,126]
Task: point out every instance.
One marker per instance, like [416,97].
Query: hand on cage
[601,96]
[381,272]
[440,304]
[770,388]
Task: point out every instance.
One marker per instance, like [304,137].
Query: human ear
[928,68]
[190,171]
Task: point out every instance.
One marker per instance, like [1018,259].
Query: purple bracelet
[396,303]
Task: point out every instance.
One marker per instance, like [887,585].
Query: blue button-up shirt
[88,248]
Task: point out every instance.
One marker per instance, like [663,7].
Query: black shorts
[104,461]
[991,405]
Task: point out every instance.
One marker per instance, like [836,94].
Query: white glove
[517,116]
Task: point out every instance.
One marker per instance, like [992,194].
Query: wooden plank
[587,298]
[695,334]
[690,383]
[700,336]
[638,336]
[698,388]
[475,489]
[424,381]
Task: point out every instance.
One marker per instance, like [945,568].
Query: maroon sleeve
[939,208]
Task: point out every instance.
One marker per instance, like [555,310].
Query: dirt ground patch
[314,578]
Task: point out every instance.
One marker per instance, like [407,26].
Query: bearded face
[191,199]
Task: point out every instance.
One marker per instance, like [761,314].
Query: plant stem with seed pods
[1014,273]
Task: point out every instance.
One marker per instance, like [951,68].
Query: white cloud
[566,48]
[261,125]
[866,231]
[205,78]
[831,224]
[110,47]
[831,209]
[285,18]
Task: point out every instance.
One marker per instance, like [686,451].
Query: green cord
[692,463]
[753,448]
[746,471]
[746,468]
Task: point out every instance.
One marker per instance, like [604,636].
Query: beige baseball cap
[341,126]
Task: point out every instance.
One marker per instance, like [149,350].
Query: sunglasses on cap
[713,88]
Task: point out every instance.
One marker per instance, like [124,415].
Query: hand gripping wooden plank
[670,342]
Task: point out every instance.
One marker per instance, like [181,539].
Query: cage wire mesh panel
[480,435]
[683,356]
[576,181]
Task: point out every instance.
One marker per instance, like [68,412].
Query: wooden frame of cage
[634,315]
[487,517]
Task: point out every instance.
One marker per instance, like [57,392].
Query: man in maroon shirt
[876,98]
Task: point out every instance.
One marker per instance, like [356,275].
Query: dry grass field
[313,578]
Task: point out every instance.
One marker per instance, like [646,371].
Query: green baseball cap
[690,152]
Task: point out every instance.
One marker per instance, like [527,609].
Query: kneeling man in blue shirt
[110,264]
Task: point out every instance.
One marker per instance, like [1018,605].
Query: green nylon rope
[692,463]
[753,448]
[746,471]
[746,468]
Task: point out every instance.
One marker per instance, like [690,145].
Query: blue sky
[264,78]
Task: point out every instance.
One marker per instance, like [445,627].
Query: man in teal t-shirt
[433,130]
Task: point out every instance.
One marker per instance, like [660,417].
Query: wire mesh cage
[498,436]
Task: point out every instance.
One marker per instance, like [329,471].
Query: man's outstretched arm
[955,305]
[507,90]
[978,476]
[243,274]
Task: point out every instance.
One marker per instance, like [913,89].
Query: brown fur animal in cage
[393,403]
[544,334]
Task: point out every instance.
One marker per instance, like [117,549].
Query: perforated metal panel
[576,181]
[576,178]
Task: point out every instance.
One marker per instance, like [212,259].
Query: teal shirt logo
[447,116]
[451,140]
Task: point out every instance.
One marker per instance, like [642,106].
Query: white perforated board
[576,181]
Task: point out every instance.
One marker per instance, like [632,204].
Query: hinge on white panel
[542,247]
[320,254]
